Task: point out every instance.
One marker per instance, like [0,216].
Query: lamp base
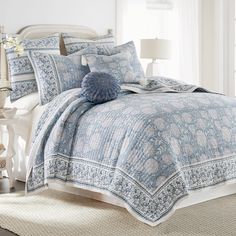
[152,69]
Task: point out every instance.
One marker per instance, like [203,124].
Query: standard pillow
[134,61]
[57,73]
[99,87]
[20,69]
[104,44]
[117,65]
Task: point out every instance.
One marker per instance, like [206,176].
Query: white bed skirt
[194,197]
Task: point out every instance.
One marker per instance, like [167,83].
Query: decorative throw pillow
[57,73]
[104,44]
[20,69]
[134,61]
[99,87]
[117,65]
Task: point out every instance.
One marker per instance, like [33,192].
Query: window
[164,19]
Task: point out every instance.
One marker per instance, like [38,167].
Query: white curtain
[187,40]
[180,24]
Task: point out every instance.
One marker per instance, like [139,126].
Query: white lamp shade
[155,48]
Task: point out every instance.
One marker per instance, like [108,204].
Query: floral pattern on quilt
[168,145]
[20,69]
[56,73]
[117,65]
[159,84]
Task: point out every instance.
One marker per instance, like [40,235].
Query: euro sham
[74,44]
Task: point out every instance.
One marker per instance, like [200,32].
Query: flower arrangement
[8,42]
[12,42]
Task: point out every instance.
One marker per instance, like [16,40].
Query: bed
[189,193]
[28,109]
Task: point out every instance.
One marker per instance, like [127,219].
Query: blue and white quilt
[148,149]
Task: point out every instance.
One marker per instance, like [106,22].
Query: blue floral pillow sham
[104,44]
[134,61]
[21,72]
[117,65]
[135,64]
[57,73]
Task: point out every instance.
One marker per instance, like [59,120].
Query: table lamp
[155,49]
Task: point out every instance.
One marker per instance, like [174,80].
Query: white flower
[12,42]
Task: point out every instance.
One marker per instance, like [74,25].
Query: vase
[3,96]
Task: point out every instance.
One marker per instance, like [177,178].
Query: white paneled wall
[98,14]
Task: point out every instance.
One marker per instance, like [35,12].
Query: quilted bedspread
[149,150]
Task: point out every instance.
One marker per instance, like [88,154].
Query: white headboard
[38,31]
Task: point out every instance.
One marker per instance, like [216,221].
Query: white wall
[98,14]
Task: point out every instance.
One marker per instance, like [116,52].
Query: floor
[213,218]
[4,188]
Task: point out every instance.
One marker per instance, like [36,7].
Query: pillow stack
[20,69]
[41,68]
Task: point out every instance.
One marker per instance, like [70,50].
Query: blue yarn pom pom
[99,87]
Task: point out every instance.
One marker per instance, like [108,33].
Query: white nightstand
[6,161]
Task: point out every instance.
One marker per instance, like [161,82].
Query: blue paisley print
[21,71]
[169,144]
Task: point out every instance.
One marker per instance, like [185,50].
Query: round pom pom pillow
[99,87]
